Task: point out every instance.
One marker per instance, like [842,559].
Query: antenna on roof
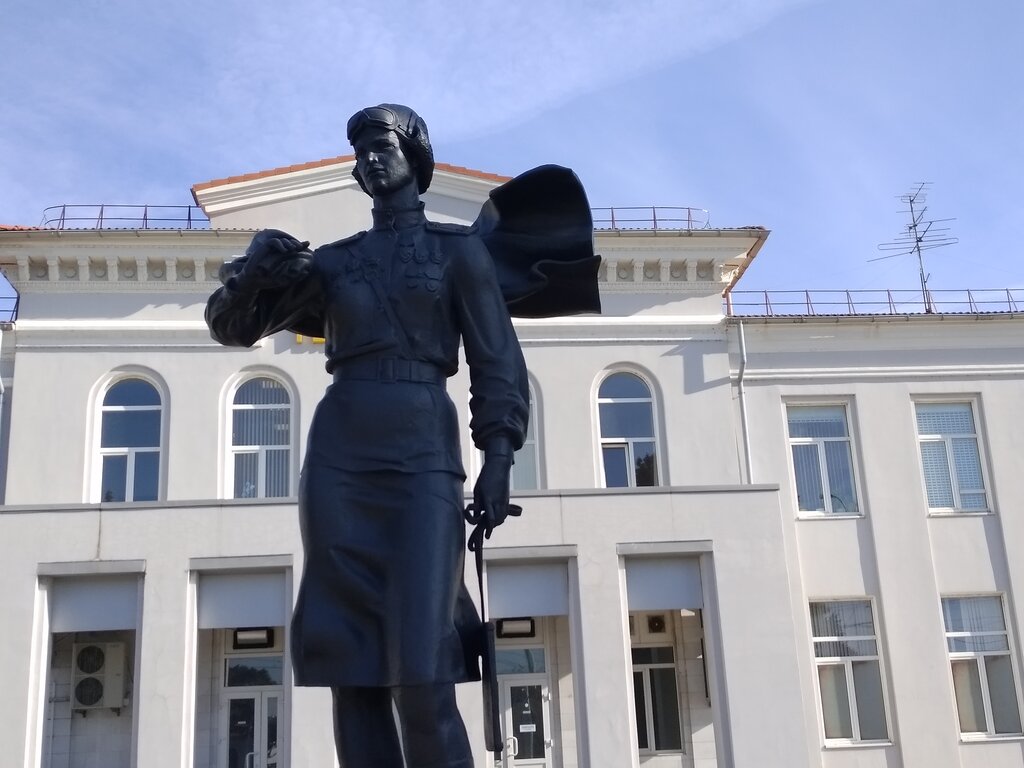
[919,235]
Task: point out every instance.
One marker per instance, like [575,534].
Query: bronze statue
[383,616]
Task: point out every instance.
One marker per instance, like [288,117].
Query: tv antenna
[919,235]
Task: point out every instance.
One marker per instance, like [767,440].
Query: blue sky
[806,117]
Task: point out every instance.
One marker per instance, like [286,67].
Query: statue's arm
[272,287]
[499,388]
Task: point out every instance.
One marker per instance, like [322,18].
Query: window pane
[263,426]
[967,463]
[842,618]
[615,467]
[147,476]
[130,429]
[809,492]
[658,655]
[840,477]
[623,385]
[241,732]
[246,475]
[527,704]
[944,419]
[641,710]
[973,501]
[254,670]
[1002,694]
[936,474]
[132,392]
[835,702]
[518,661]
[626,420]
[261,392]
[817,421]
[977,643]
[278,474]
[967,687]
[830,649]
[115,478]
[973,614]
[646,464]
[867,687]
[665,706]
[524,471]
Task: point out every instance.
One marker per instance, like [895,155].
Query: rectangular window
[950,458]
[849,671]
[979,658]
[657,699]
[819,440]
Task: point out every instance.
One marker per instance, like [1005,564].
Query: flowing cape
[539,231]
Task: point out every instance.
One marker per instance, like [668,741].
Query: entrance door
[252,729]
[526,721]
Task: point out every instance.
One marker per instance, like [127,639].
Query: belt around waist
[389,369]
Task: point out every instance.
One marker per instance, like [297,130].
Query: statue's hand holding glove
[269,262]
[491,505]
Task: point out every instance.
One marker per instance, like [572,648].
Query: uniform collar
[398,218]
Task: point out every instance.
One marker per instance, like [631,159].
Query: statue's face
[381,162]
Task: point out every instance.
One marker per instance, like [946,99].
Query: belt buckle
[386,370]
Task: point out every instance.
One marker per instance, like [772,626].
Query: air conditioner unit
[97,676]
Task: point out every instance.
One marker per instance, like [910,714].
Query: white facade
[668,625]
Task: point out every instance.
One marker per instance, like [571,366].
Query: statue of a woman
[383,616]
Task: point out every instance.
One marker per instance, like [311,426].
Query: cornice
[868,373]
[276,188]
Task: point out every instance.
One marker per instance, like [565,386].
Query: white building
[769,541]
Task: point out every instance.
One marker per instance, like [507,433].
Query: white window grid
[260,451]
[627,443]
[847,663]
[130,453]
[819,444]
[947,441]
[532,446]
[648,696]
[979,658]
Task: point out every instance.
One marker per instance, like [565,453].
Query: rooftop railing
[124,217]
[192,217]
[651,217]
[868,302]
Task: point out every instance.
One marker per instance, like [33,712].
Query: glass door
[526,721]
[252,730]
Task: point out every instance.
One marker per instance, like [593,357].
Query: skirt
[382,600]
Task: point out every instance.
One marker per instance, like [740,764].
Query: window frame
[847,663]
[100,453]
[260,451]
[529,440]
[972,403]
[819,443]
[979,657]
[626,443]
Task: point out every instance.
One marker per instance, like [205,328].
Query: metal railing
[868,302]
[124,217]
[651,217]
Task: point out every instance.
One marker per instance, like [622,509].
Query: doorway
[252,729]
[526,721]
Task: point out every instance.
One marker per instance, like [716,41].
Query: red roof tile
[457,169]
[14,228]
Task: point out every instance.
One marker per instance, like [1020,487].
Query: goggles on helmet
[381,117]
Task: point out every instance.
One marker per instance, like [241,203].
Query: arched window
[628,446]
[261,441]
[130,442]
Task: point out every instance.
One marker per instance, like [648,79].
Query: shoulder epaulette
[451,229]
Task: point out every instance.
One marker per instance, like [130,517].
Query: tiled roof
[14,228]
[456,169]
